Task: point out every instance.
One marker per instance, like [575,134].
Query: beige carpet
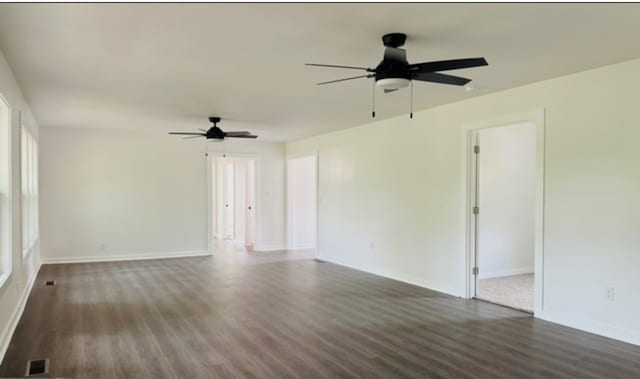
[514,291]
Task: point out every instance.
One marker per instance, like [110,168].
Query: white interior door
[219,198]
[240,177]
[250,194]
[229,184]
[214,195]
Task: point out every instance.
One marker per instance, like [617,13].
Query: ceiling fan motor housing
[387,70]
[393,72]
[215,132]
[391,75]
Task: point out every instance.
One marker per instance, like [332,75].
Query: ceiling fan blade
[393,54]
[187,134]
[451,64]
[337,66]
[440,78]
[191,137]
[351,78]
[244,136]
[233,134]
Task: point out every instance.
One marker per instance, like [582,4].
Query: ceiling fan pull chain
[373,113]
[411,101]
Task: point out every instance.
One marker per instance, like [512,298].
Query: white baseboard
[7,333]
[269,248]
[241,243]
[591,326]
[303,246]
[420,282]
[124,257]
[509,272]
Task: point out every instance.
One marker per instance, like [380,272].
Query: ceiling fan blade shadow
[350,78]
[435,77]
[450,64]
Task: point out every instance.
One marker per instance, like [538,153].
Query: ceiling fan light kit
[394,72]
[393,83]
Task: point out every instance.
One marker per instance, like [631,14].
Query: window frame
[6,215]
[29,193]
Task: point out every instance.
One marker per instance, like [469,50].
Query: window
[5,192]
[29,175]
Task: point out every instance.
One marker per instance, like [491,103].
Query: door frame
[468,170]
[289,224]
[210,200]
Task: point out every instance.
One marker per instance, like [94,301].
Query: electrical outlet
[610,293]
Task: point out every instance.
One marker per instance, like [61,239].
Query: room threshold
[503,305]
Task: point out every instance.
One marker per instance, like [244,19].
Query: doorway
[302,210]
[233,199]
[505,193]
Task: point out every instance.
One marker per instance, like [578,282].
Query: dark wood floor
[244,315]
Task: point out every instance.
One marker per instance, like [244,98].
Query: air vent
[49,283]
[37,367]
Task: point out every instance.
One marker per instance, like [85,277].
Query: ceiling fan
[395,72]
[215,132]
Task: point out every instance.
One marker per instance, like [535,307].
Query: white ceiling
[169,66]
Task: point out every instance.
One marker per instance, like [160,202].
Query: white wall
[301,194]
[119,194]
[390,195]
[507,184]
[15,290]
[111,194]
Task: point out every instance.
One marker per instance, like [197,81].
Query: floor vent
[49,283]
[37,367]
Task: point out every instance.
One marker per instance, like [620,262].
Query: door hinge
[476,270]
[476,210]
[476,149]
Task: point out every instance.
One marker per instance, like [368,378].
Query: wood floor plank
[284,315]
